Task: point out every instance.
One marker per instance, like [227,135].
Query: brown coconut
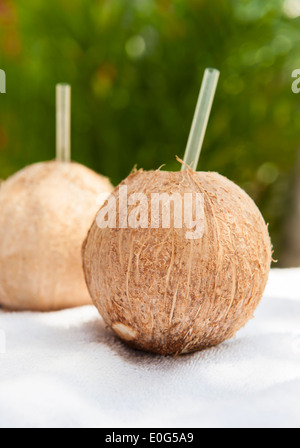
[46,211]
[165,294]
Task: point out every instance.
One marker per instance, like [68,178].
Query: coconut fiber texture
[46,211]
[165,294]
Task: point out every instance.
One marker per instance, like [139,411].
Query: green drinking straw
[63,123]
[201,117]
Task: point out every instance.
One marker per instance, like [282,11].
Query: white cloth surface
[66,369]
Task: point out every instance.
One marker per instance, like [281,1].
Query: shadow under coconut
[243,347]
[99,333]
[69,331]
[102,334]
[96,331]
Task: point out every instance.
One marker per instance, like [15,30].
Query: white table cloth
[66,369]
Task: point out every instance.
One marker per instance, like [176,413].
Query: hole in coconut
[125,332]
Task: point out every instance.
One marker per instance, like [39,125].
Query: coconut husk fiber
[165,294]
[46,211]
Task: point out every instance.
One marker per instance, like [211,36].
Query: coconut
[46,211]
[164,293]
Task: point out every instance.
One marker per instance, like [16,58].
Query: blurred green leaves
[135,67]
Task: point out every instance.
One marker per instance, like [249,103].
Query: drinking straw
[201,117]
[63,122]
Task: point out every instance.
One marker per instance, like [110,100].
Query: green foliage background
[136,67]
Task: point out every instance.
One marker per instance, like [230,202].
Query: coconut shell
[46,211]
[165,294]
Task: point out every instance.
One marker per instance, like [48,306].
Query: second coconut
[46,211]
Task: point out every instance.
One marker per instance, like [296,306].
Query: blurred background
[136,67]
